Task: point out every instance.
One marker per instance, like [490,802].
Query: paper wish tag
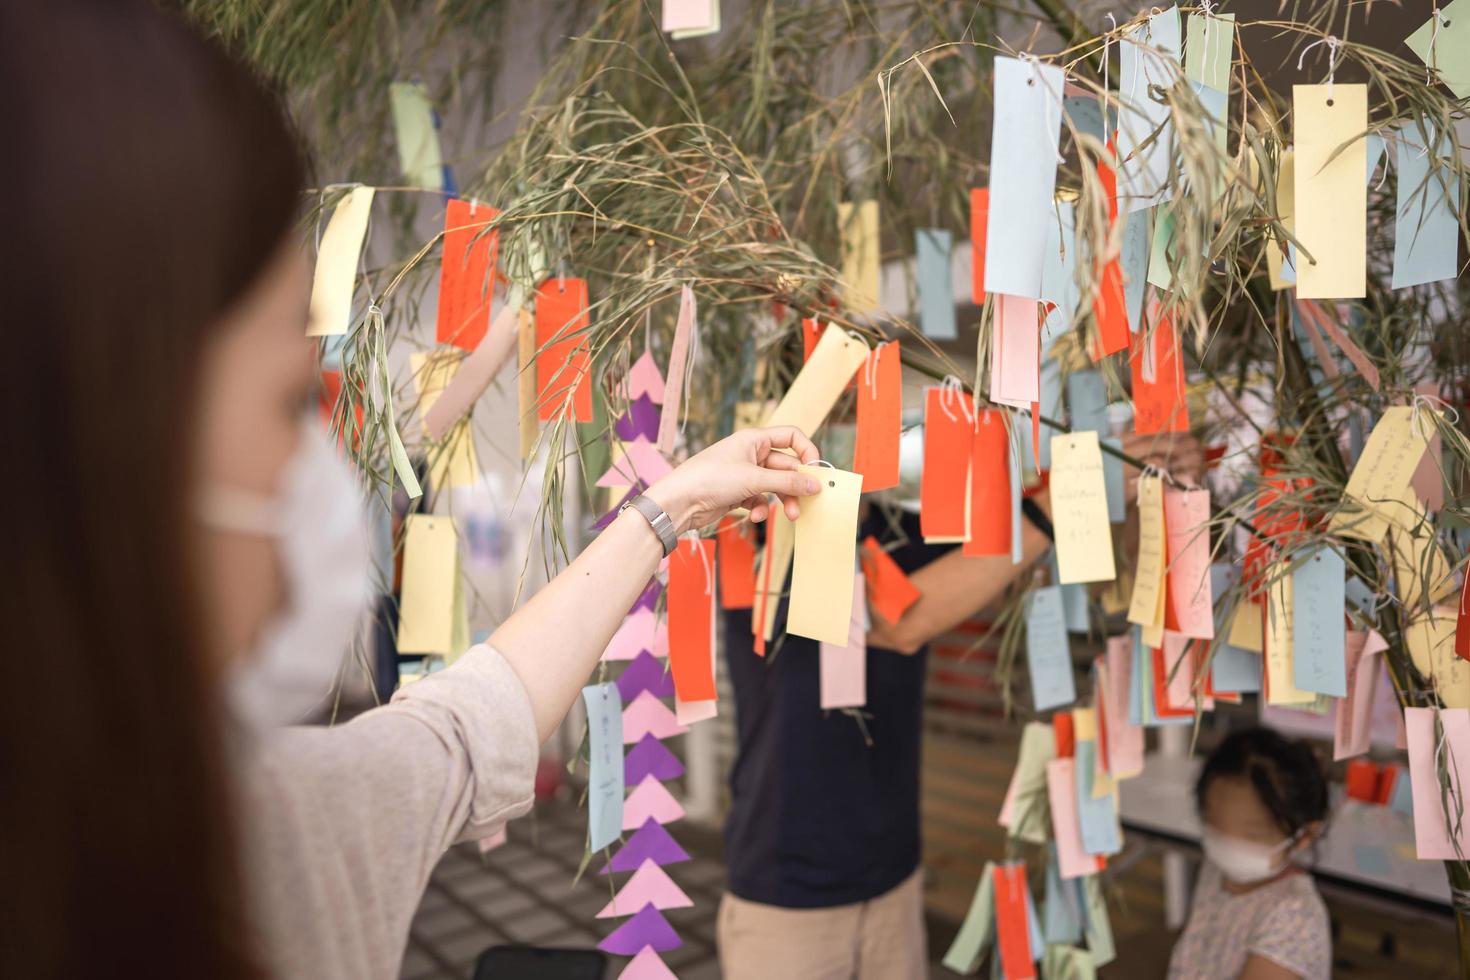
[1431,643]
[944,485]
[1048,653]
[1377,494]
[1280,657]
[1352,734]
[1079,499]
[1072,860]
[605,764]
[970,943]
[820,382]
[1124,738]
[430,583]
[420,158]
[1426,226]
[932,248]
[1015,352]
[1023,173]
[879,418]
[861,257]
[1187,533]
[979,216]
[1445,46]
[844,669]
[1023,811]
[1331,199]
[736,552]
[990,486]
[1281,255]
[452,463]
[1012,921]
[691,615]
[889,590]
[679,355]
[1157,365]
[1209,42]
[1149,59]
[336,264]
[1440,741]
[1097,815]
[825,554]
[684,19]
[1099,925]
[1147,605]
[466,273]
[563,363]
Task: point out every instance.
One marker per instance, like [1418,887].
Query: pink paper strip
[1125,740]
[650,885]
[474,375]
[1187,517]
[1428,481]
[1061,787]
[1432,835]
[844,670]
[668,426]
[1015,356]
[647,714]
[1354,353]
[650,799]
[1325,360]
[1354,723]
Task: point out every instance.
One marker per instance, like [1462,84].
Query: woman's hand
[738,471]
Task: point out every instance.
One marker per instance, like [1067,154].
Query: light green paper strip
[401,463]
[1068,963]
[1099,926]
[1209,44]
[969,945]
[419,155]
[1163,241]
[1451,46]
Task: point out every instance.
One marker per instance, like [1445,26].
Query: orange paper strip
[561,312]
[879,418]
[466,274]
[889,590]
[990,486]
[737,564]
[691,597]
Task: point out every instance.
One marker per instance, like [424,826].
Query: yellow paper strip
[430,570]
[530,426]
[1377,495]
[1331,193]
[1431,643]
[1148,576]
[1246,627]
[861,265]
[770,587]
[1079,504]
[825,555]
[820,382]
[452,460]
[1285,205]
[336,265]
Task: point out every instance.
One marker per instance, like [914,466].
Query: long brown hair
[148,179]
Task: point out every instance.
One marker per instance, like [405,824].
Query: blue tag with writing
[605,769]
[1048,654]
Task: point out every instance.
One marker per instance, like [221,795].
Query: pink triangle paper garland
[647,714]
[647,929]
[650,885]
[647,966]
[632,462]
[645,380]
[650,842]
[650,800]
[638,632]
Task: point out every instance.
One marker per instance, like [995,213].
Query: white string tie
[1332,45]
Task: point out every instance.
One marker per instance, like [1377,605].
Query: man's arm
[954,588]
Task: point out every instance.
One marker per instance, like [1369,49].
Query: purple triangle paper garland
[642,419]
[650,842]
[648,599]
[645,672]
[617,508]
[647,927]
[650,757]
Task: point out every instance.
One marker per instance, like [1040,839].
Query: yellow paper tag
[336,265]
[1148,577]
[1331,192]
[1079,504]
[530,426]
[430,574]
[1377,495]
[825,555]
[419,156]
[1418,562]
[1286,205]
[861,259]
[1084,724]
[1280,672]
[769,588]
[819,384]
[1246,628]
[452,460]
[1431,643]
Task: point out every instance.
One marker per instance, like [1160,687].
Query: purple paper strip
[649,598]
[650,757]
[611,515]
[645,672]
[642,420]
[648,927]
[649,842]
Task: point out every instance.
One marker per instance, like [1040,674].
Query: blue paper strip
[1097,817]
[1133,259]
[1074,600]
[1059,273]
[1048,654]
[936,287]
[1318,634]
[1426,231]
[1113,482]
[1149,58]
[1087,402]
[1033,925]
[1060,909]
[1026,128]
[605,775]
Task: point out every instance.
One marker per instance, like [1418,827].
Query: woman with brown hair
[181,532]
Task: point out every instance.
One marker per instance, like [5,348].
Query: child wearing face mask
[1256,914]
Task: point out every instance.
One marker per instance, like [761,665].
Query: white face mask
[1242,861]
[319,522]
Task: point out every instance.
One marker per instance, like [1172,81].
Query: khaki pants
[880,939]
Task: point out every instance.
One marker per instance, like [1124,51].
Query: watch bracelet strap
[660,522]
[1033,513]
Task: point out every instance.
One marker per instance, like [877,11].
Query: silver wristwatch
[661,523]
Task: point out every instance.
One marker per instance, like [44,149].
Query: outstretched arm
[554,640]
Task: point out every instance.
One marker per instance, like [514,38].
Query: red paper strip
[1383,789]
[466,274]
[1061,726]
[990,486]
[1462,623]
[948,432]
[327,403]
[1110,308]
[691,617]
[979,219]
[879,418]
[889,590]
[811,332]
[1163,707]
[1362,780]
[737,564]
[1158,380]
[561,311]
[1012,933]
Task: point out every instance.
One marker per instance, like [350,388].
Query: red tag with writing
[1012,932]
[466,274]
[979,221]
[990,486]
[737,564]
[691,600]
[561,311]
[889,590]
[944,487]
[1158,380]
[879,418]
[1110,308]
